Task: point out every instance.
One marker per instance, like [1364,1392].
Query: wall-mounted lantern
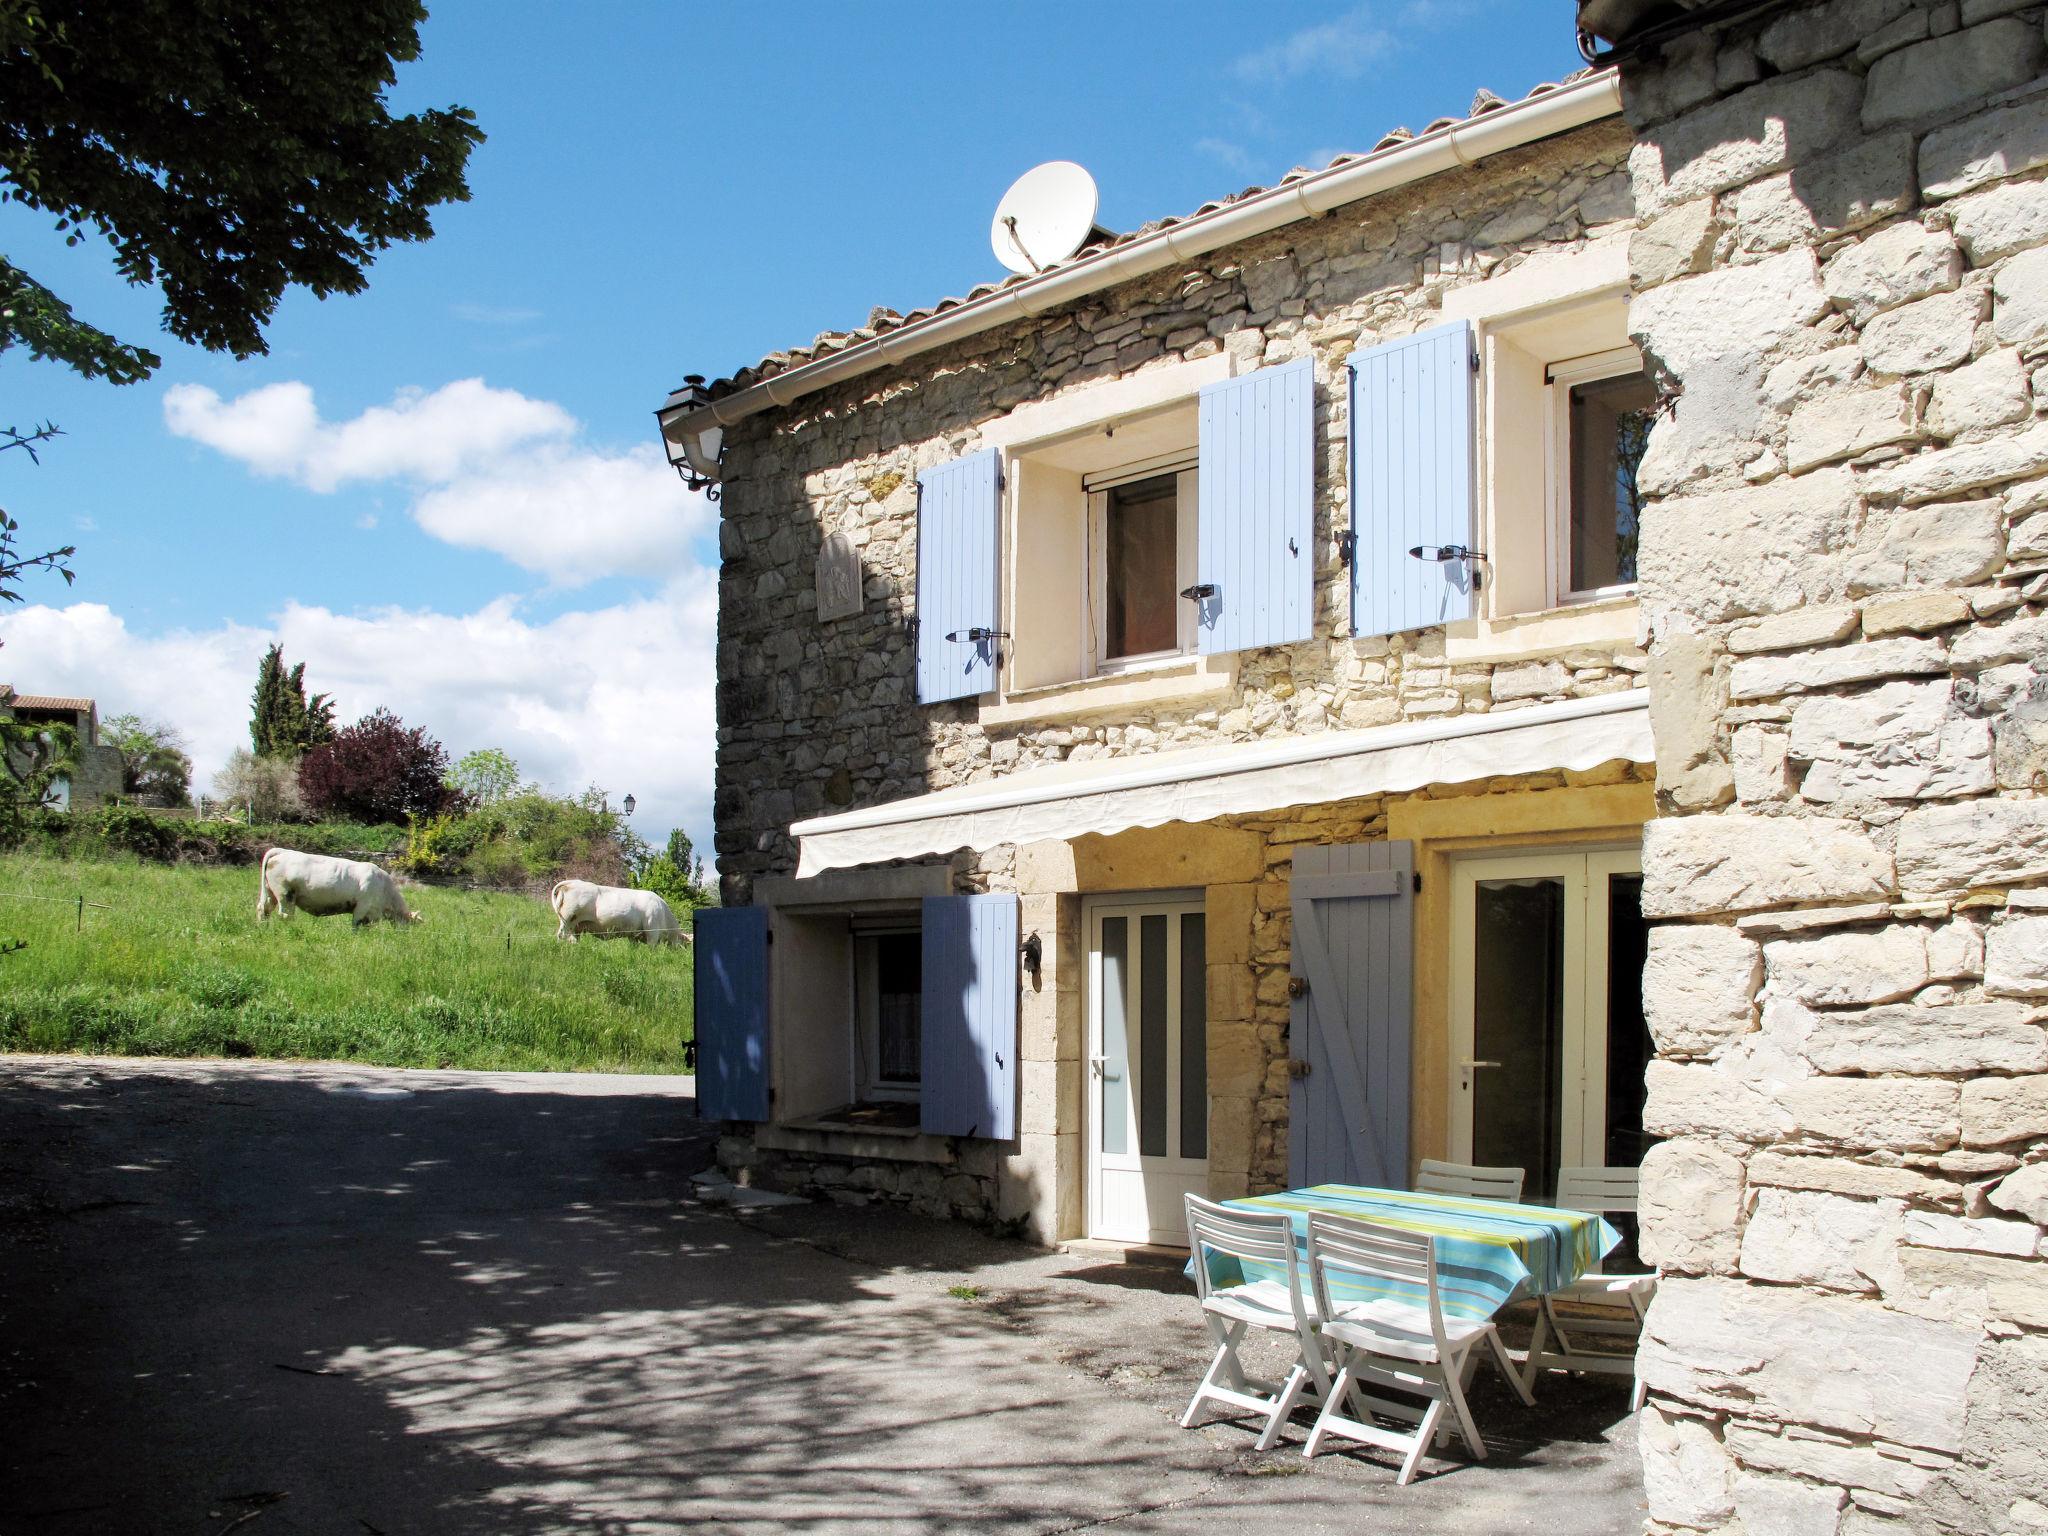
[696,454]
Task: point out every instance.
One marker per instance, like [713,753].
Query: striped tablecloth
[1488,1252]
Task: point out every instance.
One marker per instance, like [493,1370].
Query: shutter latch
[1200,592]
[1347,547]
[1297,986]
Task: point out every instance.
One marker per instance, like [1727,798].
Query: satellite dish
[1046,216]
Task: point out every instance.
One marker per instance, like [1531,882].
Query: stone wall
[1844,277]
[818,717]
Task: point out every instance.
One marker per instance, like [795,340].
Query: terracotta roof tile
[47,701]
[882,320]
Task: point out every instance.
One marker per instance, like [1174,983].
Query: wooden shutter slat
[969,1035]
[1255,530]
[732,1013]
[1411,451]
[1353,940]
[959,511]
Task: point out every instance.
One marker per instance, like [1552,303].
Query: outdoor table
[1488,1252]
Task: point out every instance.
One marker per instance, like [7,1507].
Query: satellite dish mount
[1047,215]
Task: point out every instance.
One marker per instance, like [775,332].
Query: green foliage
[129,829]
[283,721]
[172,962]
[154,767]
[676,875]
[558,836]
[34,755]
[434,845]
[485,776]
[226,155]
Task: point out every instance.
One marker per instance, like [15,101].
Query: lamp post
[628,804]
[695,454]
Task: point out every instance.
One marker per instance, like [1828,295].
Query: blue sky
[442,493]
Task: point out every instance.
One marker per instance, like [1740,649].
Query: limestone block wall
[818,717]
[1843,277]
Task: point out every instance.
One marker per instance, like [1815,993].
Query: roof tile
[882,319]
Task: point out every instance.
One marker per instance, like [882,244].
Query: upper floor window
[1601,410]
[1142,543]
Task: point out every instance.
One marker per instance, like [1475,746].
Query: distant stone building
[99,774]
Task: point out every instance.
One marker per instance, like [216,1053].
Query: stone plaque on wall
[839,584]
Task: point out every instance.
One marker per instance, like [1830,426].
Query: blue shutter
[1411,480]
[732,1013]
[958,511]
[969,1034]
[1255,534]
[1353,1023]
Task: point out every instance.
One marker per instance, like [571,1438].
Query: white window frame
[1610,364]
[1096,600]
[868,1087]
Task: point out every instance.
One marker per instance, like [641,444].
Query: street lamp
[695,454]
[630,802]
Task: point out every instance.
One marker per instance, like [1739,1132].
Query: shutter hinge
[1347,547]
[1475,362]
[1417,878]
[912,624]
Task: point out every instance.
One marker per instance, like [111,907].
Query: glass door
[1548,1045]
[1148,1066]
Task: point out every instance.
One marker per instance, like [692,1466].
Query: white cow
[321,886]
[613,911]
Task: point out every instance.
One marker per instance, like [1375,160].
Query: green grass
[170,961]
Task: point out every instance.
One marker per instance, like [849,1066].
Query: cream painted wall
[1442,829]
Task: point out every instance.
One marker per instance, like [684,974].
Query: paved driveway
[334,1299]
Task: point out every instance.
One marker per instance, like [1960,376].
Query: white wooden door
[1148,1074]
[1539,1022]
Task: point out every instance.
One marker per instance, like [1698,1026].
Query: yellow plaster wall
[1442,829]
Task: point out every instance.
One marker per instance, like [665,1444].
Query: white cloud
[491,469]
[1344,47]
[492,314]
[572,517]
[431,437]
[620,696]
[1231,156]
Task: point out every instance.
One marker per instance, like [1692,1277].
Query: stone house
[98,777]
[1522,646]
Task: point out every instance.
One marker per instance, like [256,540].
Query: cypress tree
[285,722]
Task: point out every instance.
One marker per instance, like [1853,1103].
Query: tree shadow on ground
[468,1311]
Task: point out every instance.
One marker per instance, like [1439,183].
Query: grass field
[170,961]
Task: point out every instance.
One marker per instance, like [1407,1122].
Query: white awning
[1066,800]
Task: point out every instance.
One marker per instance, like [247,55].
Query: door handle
[1470,1064]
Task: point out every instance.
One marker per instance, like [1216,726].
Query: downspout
[1461,144]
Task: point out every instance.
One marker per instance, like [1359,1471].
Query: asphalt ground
[270,1298]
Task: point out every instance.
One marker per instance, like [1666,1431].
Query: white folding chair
[1278,1306]
[1387,1343]
[1619,1303]
[1465,1179]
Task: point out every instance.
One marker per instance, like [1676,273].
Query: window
[1142,543]
[1601,410]
[888,1007]
[1101,546]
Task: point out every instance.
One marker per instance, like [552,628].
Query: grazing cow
[612,911]
[320,886]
